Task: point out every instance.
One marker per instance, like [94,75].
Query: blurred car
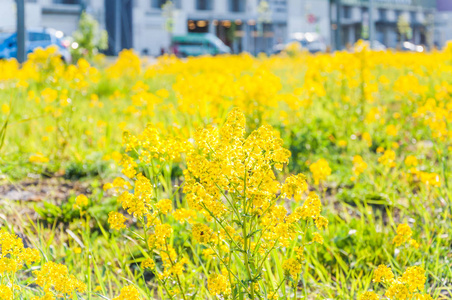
[311,41]
[196,44]
[4,36]
[376,45]
[36,38]
[409,46]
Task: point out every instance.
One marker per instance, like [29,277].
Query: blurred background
[196,27]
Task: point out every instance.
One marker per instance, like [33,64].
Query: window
[66,1]
[38,37]
[382,14]
[157,3]
[347,12]
[204,4]
[237,5]
[413,18]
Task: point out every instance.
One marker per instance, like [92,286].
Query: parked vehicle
[410,47]
[196,44]
[311,41]
[36,38]
[376,45]
[4,36]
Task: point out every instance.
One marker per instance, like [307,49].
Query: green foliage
[78,170]
[89,37]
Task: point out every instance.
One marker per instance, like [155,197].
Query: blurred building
[443,22]
[353,24]
[244,25]
[309,16]
[58,14]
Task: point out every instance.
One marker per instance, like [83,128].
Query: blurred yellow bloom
[81,201]
[5,108]
[38,158]
[320,170]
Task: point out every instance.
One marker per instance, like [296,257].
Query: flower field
[294,176]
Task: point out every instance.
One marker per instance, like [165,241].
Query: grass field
[294,176]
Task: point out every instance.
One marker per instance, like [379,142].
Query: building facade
[389,17]
[244,25]
[58,14]
[310,16]
[443,22]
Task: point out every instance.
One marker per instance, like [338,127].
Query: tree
[404,28]
[88,39]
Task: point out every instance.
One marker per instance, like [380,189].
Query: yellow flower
[388,158]
[57,276]
[369,296]
[429,179]
[414,278]
[38,158]
[311,207]
[391,130]
[366,137]
[6,293]
[317,238]
[404,234]
[411,161]
[184,215]
[116,156]
[291,267]
[382,274]
[414,243]
[116,220]
[321,222]
[201,233]
[128,293]
[294,186]
[148,263]
[208,252]
[342,143]
[218,284]
[81,201]
[359,165]
[164,206]
[5,108]
[398,290]
[320,170]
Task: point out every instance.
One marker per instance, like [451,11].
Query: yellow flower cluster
[128,293]
[13,254]
[320,170]
[201,233]
[218,284]
[81,201]
[55,280]
[369,295]
[406,287]
[116,220]
[404,234]
[148,263]
[229,180]
[383,274]
[292,267]
[359,165]
[388,158]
